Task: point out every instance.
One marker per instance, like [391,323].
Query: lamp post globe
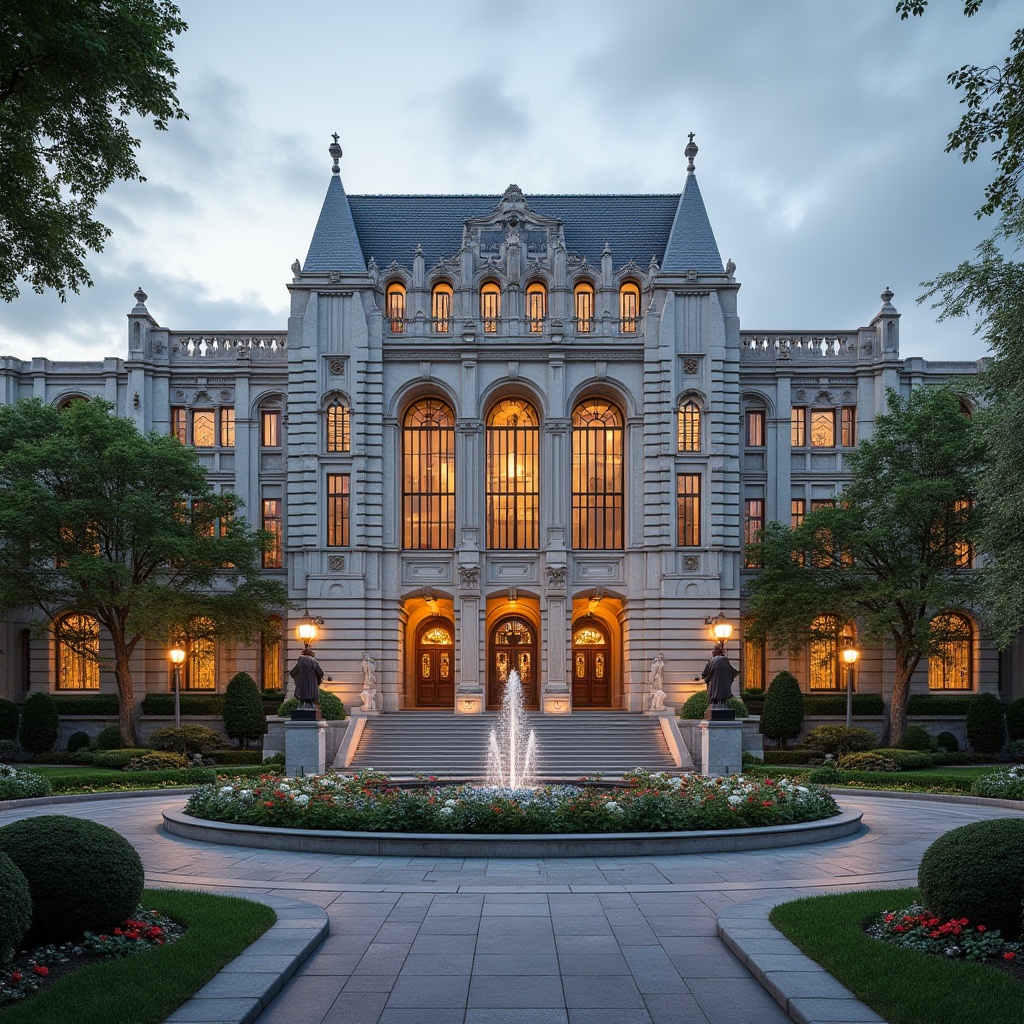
[850,656]
[177,656]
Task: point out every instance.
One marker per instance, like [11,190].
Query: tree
[782,716]
[243,709]
[890,554]
[71,71]
[124,529]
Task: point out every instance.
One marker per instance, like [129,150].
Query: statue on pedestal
[657,693]
[718,674]
[369,694]
[307,674]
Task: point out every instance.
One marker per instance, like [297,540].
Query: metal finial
[335,151]
[141,296]
[690,152]
[887,295]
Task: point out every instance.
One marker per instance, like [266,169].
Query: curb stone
[804,989]
[243,988]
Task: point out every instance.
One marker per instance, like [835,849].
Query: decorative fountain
[512,746]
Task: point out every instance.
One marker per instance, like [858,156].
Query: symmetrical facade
[507,431]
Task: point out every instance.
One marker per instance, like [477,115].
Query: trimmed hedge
[986,724]
[39,724]
[15,907]
[838,740]
[117,758]
[917,737]
[331,707]
[1015,719]
[233,756]
[191,704]
[947,742]
[794,757]
[82,875]
[244,718]
[782,716]
[110,738]
[186,739]
[933,704]
[157,761]
[907,759]
[697,704]
[71,704]
[866,761]
[194,776]
[9,715]
[78,741]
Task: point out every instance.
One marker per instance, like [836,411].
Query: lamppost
[850,656]
[720,629]
[308,628]
[177,656]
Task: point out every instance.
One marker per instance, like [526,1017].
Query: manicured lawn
[145,988]
[64,771]
[904,986]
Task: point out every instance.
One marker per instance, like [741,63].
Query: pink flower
[41,970]
[16,977]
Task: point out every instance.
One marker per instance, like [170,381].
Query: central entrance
[513,645]
[435,664]
[591,665]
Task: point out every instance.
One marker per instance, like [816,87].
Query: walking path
[627,940]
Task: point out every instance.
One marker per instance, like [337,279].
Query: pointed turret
[691,243]
[335,244]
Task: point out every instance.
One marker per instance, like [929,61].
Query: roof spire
[335,151]
[690,152]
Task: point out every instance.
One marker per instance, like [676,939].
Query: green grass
[61,771]
[145,988]
[904,986]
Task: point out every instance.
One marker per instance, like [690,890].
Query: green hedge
[135,780]
[933,704]
[233,756]
[790,756]
[907,759]
[829,704]
[71,704]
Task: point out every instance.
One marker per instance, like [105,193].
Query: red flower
[980,928]
[41,970]
[16,977]
[1009,956]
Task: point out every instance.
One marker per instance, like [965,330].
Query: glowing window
[441,307]
[338,426]
[689,427]
[753,664]
[272,524]
[203,430]
[271,650]
[394,305]
[428,476]
[688,509]
[78,651]
[963,549]
[337,510]
[490,306]
[753,524]
[949,666]
[798,426]
[826,672]
[536,306]
[755,428]
[200,656]
[583,295]
[823,428]
[270,428]
[513,476]
[179,425]
[849,426]
[227,427]
[436,637]
[598,495]
[629,307]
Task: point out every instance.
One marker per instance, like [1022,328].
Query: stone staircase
[454,746]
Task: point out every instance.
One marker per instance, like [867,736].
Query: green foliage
[1004,784]
[109,738]
[1015,719]
[117,758]
[82,875]
[907,759]
[838,739]
[8,720]
[331,707]
[948,742]
[933,704]
[157,761]
[867,761]
[91,704]
[243,709]
[986,724]
[190,703]
[15,908]
[69,84]
[78,741]
[782,717]
[275,760]
[8,750]
[696,705]
[977,871]
[824,775]
[39,724]
[790,756]
[917,737]
[123,781]
[233,756]
[186,739]
[19,784]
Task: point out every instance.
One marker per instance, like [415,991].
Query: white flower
[448,807]
[227,789]
[245,794]
[613,807]
[450,803]
[302,799]
[735,799]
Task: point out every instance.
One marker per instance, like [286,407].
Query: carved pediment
[512,223]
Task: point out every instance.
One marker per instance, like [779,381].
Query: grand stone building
[507,431]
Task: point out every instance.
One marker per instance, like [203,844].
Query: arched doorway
[435,664]
[591,665]
[513,646]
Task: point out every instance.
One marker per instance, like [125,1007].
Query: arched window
[755,421]
[270,426]
[536,306]
[395,307]
[441,307]
[689,427]
[200,668]
[598,496]
[271,649]
[950,665]
[831,637]
[513,475]
[583,296]
[78,650]
[338,432]
[753,666]
[629,307]
[428,476]
[490,306]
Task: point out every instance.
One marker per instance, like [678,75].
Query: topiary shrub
[696,705]
[838,739]
[109,738]
[826,774]
[82,875]
[186,739]
[1015,719]
[907,759]
[986,724]
[157,761]
[867,761]
[948,742]
[39,724]
[78,741]
[916,737]
[18,783]
[15,908]
[8,750]
[782,716]
[117,758]
[331,707]
[8,720]
[275,760]
[233,756]
[243,709]
[977,871]
[71,704]
[1015,748]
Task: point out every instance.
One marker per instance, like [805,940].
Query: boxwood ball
[15,907]
[82,875]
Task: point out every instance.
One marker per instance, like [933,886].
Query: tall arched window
[395,307]
[338,439]
[689,427]
[583,296]
[428,476]
[950,666]
[753,666]
[271,649]
[78,648]
[200,656]
[536,306]
[825,670]
[513,475]
[598,496]
[490,306]
[441,307]
[629,307]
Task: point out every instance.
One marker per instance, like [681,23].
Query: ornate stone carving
[334,277]
[336,563]
[225,395]
[556,425]
[337,367]
[691,275]
[557,576]
[469,576]
[691,563]
[690,365]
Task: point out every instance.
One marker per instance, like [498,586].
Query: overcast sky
[821,128]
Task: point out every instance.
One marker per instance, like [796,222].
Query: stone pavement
[486,941]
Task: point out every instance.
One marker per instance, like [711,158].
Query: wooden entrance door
[435,664]
[513,646]
[591,665]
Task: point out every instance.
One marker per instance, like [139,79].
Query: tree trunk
[900,696]
[126,690]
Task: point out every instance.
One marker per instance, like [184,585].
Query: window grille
[428,476]
[688,509]
[598,496]
[513,481]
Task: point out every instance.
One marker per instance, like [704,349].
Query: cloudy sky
[821,128]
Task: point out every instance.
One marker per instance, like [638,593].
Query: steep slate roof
[691,244]
[335,244]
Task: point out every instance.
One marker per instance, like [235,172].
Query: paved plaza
[489,941]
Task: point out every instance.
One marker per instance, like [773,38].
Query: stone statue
[718,674]
[369,694]
[657,693]
[307,674]
[296,268]
[730,269]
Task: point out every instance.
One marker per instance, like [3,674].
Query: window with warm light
[394,306]
[688,509]
[536,306]
[826,671]
[179,424]
[754,663]
[629,307]
[689,427]
[755,428]
[227,427]
[78,650]
[513,476]
[798,427]
[490,306]
[428,476]
[949,666]
[272,524]
[200,668]
[753,524]
[338,439]
[823,428]
[204,432]
[963,549]
[270,428]
[337,510]
[598,488]
[441,307]
[797,511]
[583,302]
[271,655]
[848,428]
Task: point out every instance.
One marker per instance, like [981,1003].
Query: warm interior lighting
[176,654]
[850,655]
[307,630]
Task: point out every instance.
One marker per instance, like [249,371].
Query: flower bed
[368,802]
[1007,783]
[17,783]
[917,928]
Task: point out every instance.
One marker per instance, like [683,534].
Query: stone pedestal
[557,703]
[305,748]
[721,747]
[469,703]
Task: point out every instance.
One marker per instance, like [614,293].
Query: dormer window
[536,306]
[583,294]
[629,307]
[490,306]
[441,307]
[395,307]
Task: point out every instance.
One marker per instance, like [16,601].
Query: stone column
[305,748]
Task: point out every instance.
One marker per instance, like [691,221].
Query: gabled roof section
[335,243]
[691,243]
